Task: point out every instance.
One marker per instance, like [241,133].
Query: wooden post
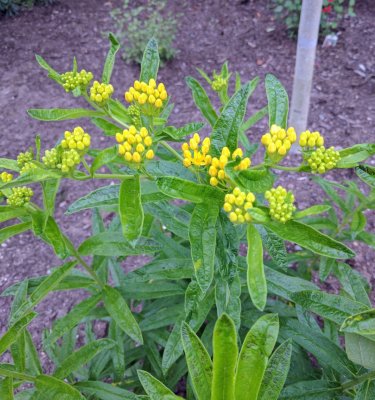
[308,32]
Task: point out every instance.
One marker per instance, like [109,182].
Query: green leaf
[10,212]
[105,157]
[252,361]
[198,361]
[362,322]
[154,388]
[51,388]
[111,244]
[110,60]
[367,174]
[360,350]
[256,280]
[51,72]
[256,181]
[275,247]
[13,230]
[330,306]
[327,352]
[12,165]
[53,235]
[176,134]
[6,389]
[12,334]
[202,235]
[108,128]
[189,191]
[50,188]
[318,209]
[310,238]
[310,390]
[61,114]
[278,102]
[226,128]
[254,119]
[202,101]
[366,391]
[225,352]
[105,391]
[34,175]
[276,372]
[120,312]
[81,357]
[70,320]
[351,156]
[150,61]
[352,282]
[130,208]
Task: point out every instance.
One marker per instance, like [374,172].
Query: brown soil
[211,31]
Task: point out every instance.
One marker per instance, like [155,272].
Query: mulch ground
[211,31]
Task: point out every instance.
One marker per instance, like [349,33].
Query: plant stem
[104,176]
[87,268]
[172,150]
[84,162]
[358,380]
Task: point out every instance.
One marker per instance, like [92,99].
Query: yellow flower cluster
[216,170]
[150,95]
[237,205]
[281,203]
[71,79]
[5,177]
[24,158]
[311,139]
[278,140]
[20,196]
[100,92]
[27,167]
[218,83]
[322,159]
[69,160]
[194,154]
[77,139]
[135,145]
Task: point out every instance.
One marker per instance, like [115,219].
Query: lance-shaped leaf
[49,388]
[198,361]
[202,101]
[10,212]
[311,390]
[81,357]
[278,102]
[189,191]
[105,391]
[13,230]
[366,391]
[362,323]
[227,126]
[69,321]
[154,388]
[360,350]
[367,174]
[61,114]
[120,312]
[276,372]
[130,208]
[202,235]
[256,279]
[330,306]
[150,61]
[225,353]
[252,361]
[12,334]
[6,389]
[310,238]
[110,60]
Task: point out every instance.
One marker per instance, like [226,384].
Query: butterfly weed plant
[180,319]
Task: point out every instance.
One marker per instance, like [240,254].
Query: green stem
[87,268]
[104,176]
[172,150]
[84,162]
[358,380]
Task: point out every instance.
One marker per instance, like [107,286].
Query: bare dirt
[211,31]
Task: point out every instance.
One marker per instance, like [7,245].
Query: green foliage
[288,11]
[136,24]
[197,311]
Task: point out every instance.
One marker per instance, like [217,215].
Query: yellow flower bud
[151,99]
[158,103]
[140,148]
[214,181]
[186,162]
[150,154]
[136,157]
[163,95]
[282,150]
[143,87]
[148,141]
[119,137]
[271,148]
[152,83]
[128,156]
[227,207]
[221,174]
[128,97]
